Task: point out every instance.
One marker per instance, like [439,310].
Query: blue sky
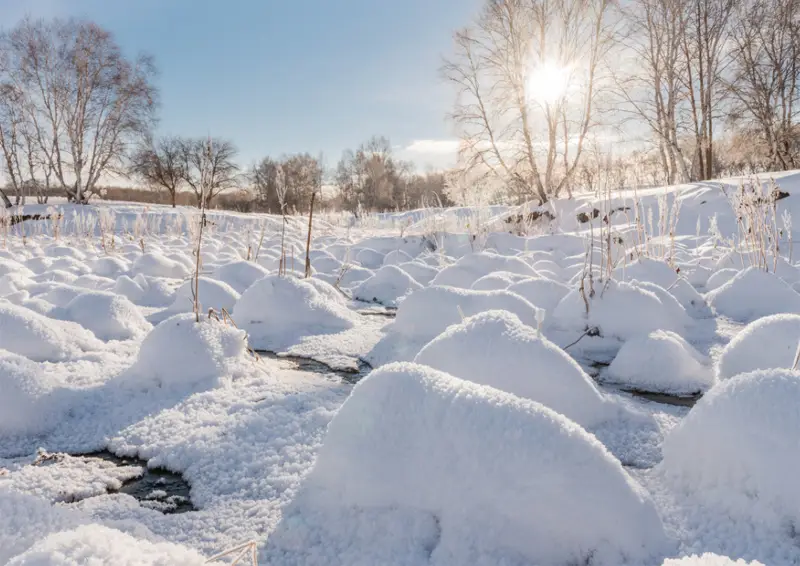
[283,76]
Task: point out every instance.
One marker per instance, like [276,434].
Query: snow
[95,544]
[107,315]
[619,310]
[662,362]
[211,294]
[736,451]
[494,348]
[157,264]
[383,488]
[709,559]
[28,403]
[769,342]
[240,274]
[35,336]
[426,313]
[472,267]
[389,286]
[276,311]
[180,351]
[542,292]
[754,293]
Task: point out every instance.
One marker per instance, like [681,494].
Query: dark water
[680,401]
[307,364]
[157,488]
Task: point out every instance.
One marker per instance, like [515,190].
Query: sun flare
[548,83]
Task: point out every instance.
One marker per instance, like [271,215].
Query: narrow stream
[308,364]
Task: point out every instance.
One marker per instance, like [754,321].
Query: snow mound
[240,274]
[769,342]
[157,264]
[661,362]
[496,281]
[472,267]
[422,273]
[9,266]
[396,257]
[389,286]
[369,258]
[494,348]
[39,338]
[110,266]
[737,452]
[411,472]
[212,293]
[95,544]
[754,293]
[426,313]
[621,310]
[542,292]
[180,351]
[660,273]
[708,559]
[27,402]
[719,278]
[25,519]
[107,315]
[145,291]
[276,311]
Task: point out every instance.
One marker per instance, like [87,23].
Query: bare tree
[766,69]
[209,168]
[161,164]
[85,102]
[516,126]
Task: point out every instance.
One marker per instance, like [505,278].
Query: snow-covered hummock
[157,264]
[620,310]
[28,403]
[719,278]
[709,559]
[110,266]
[396,257]
[737,453]
[472,267]
[40,338]
[276,311]
[211,293]
[180,351]
[754,293]
[389,286]
[497,281]
[412,472]
[95,544]
[769,342]
[108,316]
[659,272]
[663,362]
[540,291]
[426,313]
[494,348]
[369,258]
[240,274]
[145,291]
[421,272]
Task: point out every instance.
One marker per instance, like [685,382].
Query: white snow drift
[769,342]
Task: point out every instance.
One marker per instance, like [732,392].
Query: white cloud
[433,147]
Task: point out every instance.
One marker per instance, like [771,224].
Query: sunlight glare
[548,82]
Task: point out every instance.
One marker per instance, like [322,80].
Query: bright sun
[548,83]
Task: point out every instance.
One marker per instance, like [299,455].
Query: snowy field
[453,387]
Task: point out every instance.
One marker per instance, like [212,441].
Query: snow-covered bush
[754,293]
[494,348]
[769,342]
[663,362]
[419,467]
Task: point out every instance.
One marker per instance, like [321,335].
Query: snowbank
[240,274]
[620,310]
[180,351]
[145,291]
[28,405]
[660,273]
[736,451]
[754,293]
[276,311]
[661,362]
[212,294]
[107,315]
[769,342]
[39,338]
[157,264]
[472,267]
[494,348]
[389,286]
[708,559]
[421,272]
[412,472]
[426,313]
[95,544]
[542,292]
